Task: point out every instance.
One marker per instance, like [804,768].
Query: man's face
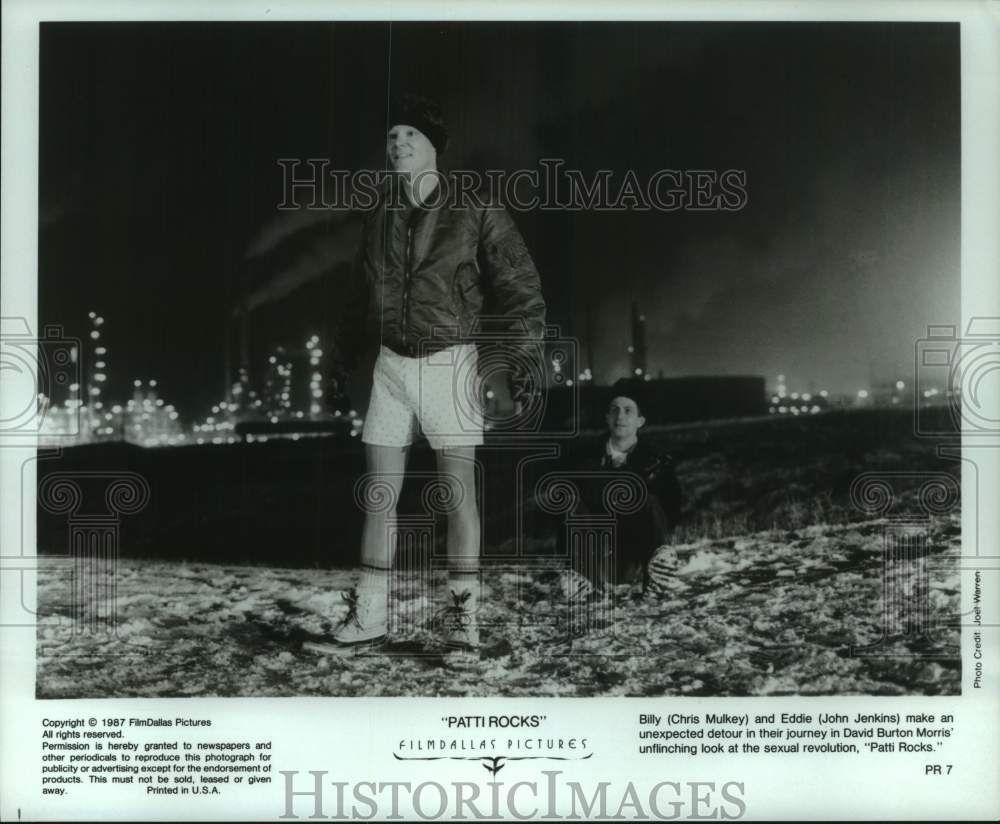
[623,418]
[409,150]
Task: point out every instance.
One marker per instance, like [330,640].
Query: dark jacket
[656,470]
[423,277]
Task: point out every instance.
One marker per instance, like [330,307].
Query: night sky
[159,183]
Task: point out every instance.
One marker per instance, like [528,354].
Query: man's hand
[522,393]
[337,399]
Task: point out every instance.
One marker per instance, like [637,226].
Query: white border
[335,734]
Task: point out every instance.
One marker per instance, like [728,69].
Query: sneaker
[576,588]
[661,572]
[366,620]
[457,622]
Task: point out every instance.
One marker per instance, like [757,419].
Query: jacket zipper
[406,281]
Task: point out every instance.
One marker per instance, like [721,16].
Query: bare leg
[458,469]
[386,465]
[367,615]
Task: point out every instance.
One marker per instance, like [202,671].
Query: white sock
[374,581]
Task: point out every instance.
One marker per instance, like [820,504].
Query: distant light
[489,394]
[806,396]
[152,383]
[771,409]
[91,315]
[98,321]
[647,377]
[95,334]
[74,387]
[569,381]
[775,399]
[782,409]
[100,350]
[137,383]
[862,393]
[804,408]
[100,364]
[895,399]
[638,370]
[795,410]
[642,317]
[631,349]
[781,378]
[272,359]
[795,396]
[823,393]
[274,419]
[900,385]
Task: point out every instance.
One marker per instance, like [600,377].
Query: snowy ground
[770,613]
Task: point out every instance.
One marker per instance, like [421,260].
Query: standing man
[426,270]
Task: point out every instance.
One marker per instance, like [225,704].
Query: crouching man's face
[623,418]
[410,150]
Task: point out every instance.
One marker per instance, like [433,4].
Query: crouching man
[639,533]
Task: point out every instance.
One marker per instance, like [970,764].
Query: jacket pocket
[467,296]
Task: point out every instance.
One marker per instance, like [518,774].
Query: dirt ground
[779,612]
